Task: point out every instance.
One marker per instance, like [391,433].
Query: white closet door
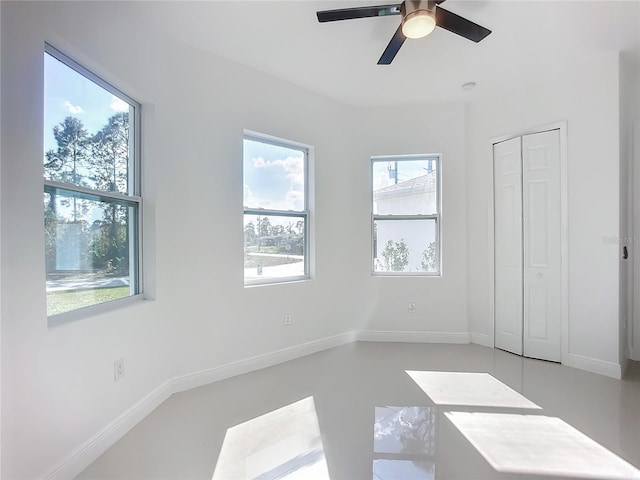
[542,256]
[507,181]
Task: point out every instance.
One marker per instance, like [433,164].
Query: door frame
[633,318]
[564,232]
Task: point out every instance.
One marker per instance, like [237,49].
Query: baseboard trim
[593,365]
[205,377]
[412,337]
[83,456]
[86,454]
[481,339]
[634,354]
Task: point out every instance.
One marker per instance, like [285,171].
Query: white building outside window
[406,215]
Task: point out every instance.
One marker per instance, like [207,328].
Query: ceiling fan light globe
[418,24]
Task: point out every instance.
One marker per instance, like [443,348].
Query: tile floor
[391,411]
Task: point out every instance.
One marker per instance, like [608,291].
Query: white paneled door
[542,259]
[528,245]
[507,181]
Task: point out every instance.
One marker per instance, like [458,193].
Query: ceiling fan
[419,19]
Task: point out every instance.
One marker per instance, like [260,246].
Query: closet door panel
[507,178]
[542,257]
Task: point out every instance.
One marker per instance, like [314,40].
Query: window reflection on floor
[404,443]
[284,443]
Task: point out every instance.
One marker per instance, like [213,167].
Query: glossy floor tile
[391,411]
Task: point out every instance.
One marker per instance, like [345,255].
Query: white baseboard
[593,365]
[198,379]
[482,339]
[634,354]
[83,456]
[412,337]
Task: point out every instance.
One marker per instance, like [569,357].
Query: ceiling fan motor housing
[410,6]
[418,18]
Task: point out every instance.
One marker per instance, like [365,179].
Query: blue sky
[66,92]
[407,169]
[273,176]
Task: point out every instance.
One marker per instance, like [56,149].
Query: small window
[276,216]
[91,188]
[406,215]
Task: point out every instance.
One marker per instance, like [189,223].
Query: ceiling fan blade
[358,12]
[460,26]
[392,49]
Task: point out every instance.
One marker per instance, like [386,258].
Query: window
[406,215]
[91,188]
[276,216]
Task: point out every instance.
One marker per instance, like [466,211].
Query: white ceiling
[284,39]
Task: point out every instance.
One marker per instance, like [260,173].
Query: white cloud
[295,200]
[293,167]
[74,109]
[118,105]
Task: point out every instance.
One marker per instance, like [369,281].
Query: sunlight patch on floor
[468,389]
[539,445]
[284,443]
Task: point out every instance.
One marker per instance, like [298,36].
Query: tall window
[91,188]
[406,215]
[276,216]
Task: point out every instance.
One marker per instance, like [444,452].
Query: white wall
[57,382]
[630,200]
[57,386]
[634,325]
[0,246]
[586,96]
[224,321]
[628,113]
[440,305]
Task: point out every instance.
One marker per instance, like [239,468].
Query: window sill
[406,275]
[277,281]
[93,310]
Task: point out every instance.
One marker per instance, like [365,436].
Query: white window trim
[437,217]
[135,198]
[306,214]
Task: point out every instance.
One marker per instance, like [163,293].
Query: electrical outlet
[118,369]
[411,308]
[288,319]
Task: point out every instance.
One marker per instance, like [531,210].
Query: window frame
[437,217]
[305,213]
[132,199]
